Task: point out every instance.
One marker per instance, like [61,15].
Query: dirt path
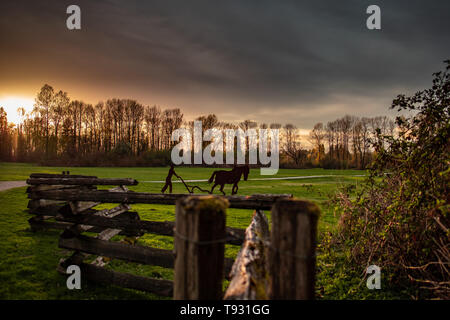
[5,185]
[264,179]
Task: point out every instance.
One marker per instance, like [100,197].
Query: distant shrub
[157,158]
[332,163]
[122,149]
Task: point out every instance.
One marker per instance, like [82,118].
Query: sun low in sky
[12,103]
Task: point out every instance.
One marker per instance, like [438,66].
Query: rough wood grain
[249,275]
[292,251]
[199,247]
[79,207]
[41,203]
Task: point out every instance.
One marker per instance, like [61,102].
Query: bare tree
[316,138]
[153,122]
[292,147]
[171,120]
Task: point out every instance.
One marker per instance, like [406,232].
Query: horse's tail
[212,177]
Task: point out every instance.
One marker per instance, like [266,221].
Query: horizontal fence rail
[98,274]
[260,202]
[55,175]
[134,253]
[82,181]
[133,226]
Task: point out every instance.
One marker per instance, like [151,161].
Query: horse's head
[246,171]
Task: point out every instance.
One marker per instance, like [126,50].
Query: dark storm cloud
[296,61]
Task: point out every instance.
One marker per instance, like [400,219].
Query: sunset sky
[271,61]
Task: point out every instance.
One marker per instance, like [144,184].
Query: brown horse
[222,177]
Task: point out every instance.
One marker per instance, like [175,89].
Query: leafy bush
[157,158]
[400,219]
[122,149]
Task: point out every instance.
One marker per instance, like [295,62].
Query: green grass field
[29,260]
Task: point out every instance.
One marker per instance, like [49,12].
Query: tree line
[351,140]
[124,132]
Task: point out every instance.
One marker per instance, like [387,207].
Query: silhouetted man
[169,179]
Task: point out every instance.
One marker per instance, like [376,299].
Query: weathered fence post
[292,252]
[249,275]
[199,238]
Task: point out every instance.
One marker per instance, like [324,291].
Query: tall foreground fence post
[292,259]
[199,238]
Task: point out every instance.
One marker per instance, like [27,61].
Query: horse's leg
[235,189]
[212,189]
[221,189]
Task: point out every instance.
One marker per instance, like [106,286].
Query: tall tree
[59,108]
[43,105]
[153,122]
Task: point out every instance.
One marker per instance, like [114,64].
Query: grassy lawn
[28,264]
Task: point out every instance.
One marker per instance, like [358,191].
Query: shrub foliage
[400,218]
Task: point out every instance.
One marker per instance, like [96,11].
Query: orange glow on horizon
[12,103]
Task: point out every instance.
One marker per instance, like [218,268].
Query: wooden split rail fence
[275,264]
